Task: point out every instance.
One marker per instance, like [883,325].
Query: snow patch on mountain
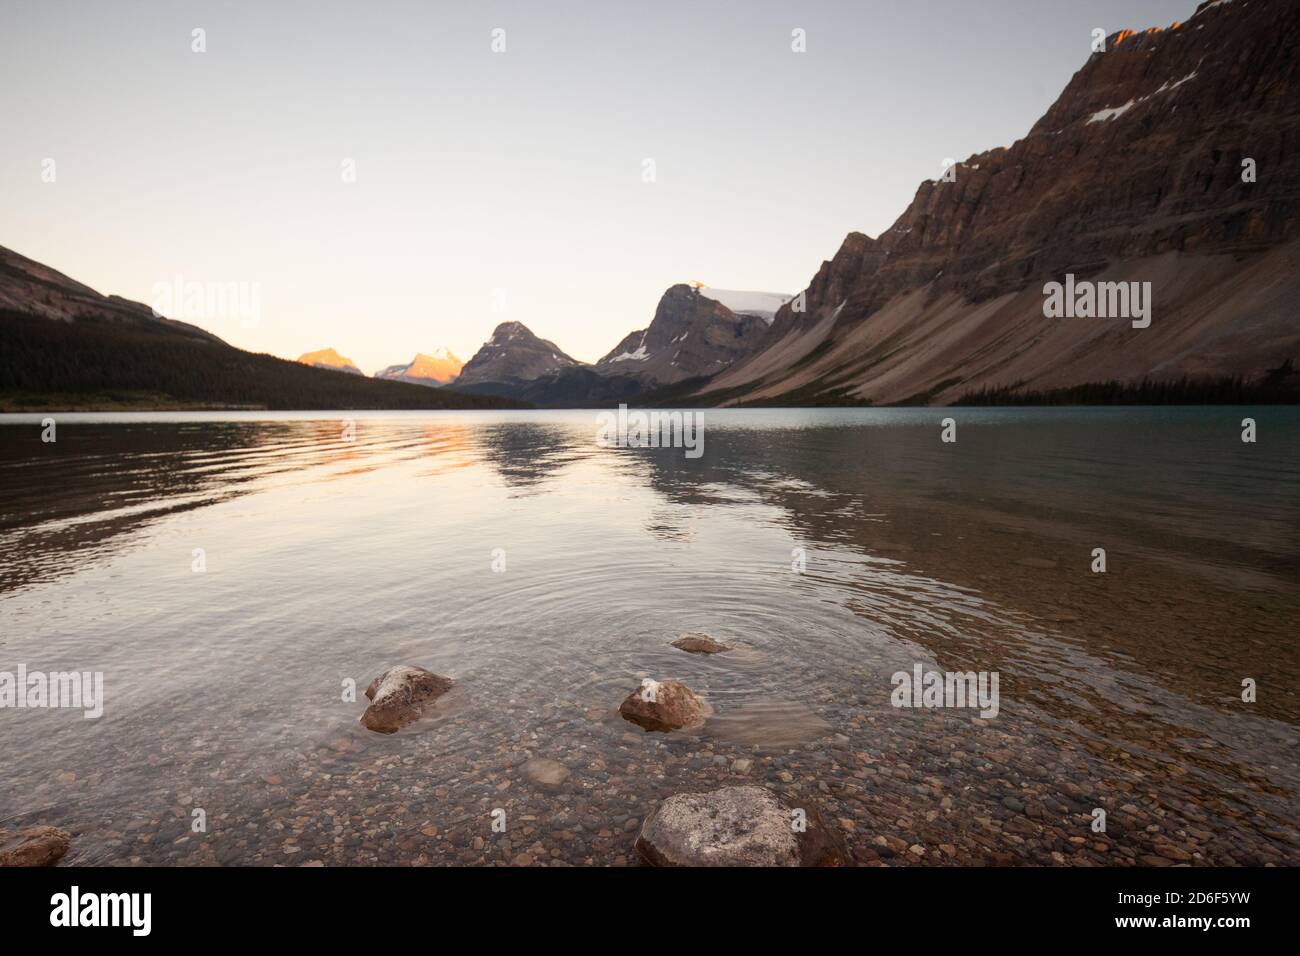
[1102,116]
[640,355]
[1111,112]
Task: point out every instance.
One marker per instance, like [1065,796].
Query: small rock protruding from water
[400,696]
[35,846]
[697,643]
[545,772]
[664,705]
[736,826]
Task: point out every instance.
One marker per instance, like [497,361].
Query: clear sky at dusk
[519,171]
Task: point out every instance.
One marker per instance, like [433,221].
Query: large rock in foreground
[735,826]
[664,705]
[35,846]
[400,696]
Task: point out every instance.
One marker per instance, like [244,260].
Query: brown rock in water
[695,643]
[400,695]
[35,846]
[735,826]
[663,706]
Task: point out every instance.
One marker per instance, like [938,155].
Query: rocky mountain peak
[440,368]
[513,354]
[691,335]
[330,359]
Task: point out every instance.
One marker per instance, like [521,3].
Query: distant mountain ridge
[692,335]
[64,346]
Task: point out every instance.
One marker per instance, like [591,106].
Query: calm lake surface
[327,561]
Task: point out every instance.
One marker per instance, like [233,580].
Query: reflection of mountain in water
[87,494]
[526,454]
[1012,512]
[71,500]
[970,556]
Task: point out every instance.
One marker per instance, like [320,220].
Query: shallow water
[328,560]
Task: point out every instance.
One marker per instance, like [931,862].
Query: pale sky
[476,171]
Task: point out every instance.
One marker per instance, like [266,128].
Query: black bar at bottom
[214,905]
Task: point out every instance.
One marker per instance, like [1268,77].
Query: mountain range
[440,368]
[63,346]
[1168,168]
[1171,158]
[1170,161]
[692,335]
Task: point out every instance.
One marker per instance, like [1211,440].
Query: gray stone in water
[734,826]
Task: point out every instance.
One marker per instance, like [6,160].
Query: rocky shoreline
[586,787]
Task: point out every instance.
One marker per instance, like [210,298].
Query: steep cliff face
[1141,169]
[690,335]
[859,255]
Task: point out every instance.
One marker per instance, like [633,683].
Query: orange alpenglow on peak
[440,368]
[330,359]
